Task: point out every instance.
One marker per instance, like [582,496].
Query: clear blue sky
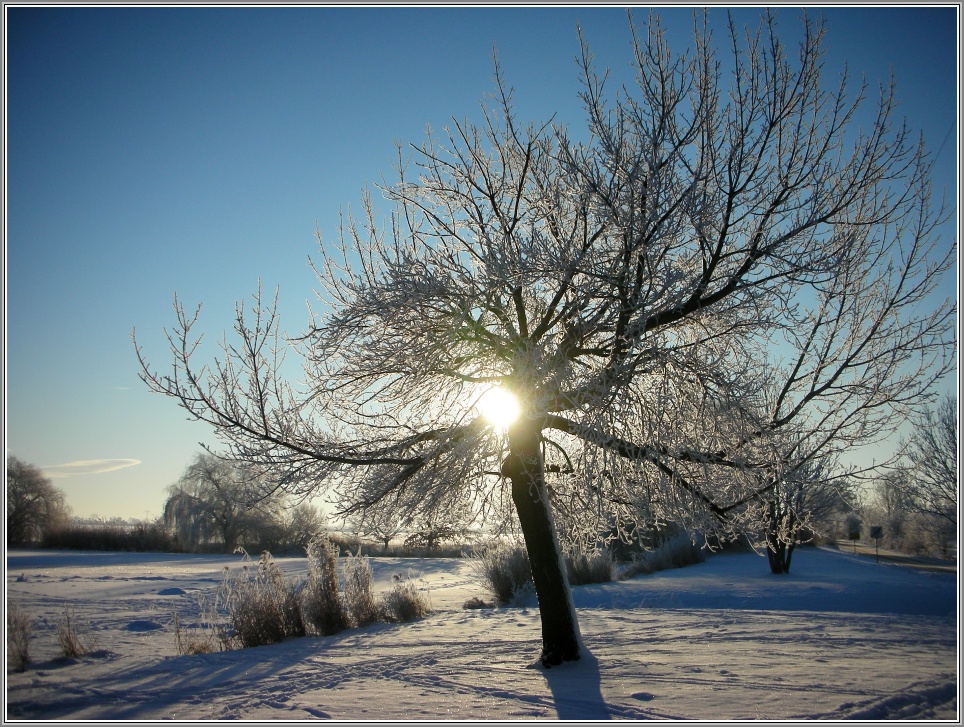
[153,150]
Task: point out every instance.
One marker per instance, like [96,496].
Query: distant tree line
[915,503]
[206,511]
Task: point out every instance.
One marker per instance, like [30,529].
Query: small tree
[803,502]
[34,506]
[722,275]
[380,524]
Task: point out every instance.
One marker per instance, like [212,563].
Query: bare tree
[724,280]
[931,479]
[34,505]
[381,524]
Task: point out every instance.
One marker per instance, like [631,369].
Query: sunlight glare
[499,407]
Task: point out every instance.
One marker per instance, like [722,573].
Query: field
[840,637]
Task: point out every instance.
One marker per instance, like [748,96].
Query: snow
[842,637]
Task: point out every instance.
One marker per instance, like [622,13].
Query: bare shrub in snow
[523,596]
[502,568]
[361,606]
[594,567]
[405,602]
[675,552]
[321,601]
[263,605]
[73,644]
[208,633]
[19,626]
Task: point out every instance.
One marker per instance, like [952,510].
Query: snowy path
[839,638]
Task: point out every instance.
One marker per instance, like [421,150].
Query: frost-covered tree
[801,503]
[218,501]
[721,278]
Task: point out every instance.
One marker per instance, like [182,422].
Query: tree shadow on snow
[576,688]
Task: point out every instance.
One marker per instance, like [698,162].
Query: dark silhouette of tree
[34,506]
[724,280]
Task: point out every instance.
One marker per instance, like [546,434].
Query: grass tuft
[72,644]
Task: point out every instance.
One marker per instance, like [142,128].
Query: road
[893,556]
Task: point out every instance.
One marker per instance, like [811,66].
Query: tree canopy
[719,283]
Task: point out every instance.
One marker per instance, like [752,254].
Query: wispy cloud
[88,467]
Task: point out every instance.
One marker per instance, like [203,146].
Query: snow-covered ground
[840,637]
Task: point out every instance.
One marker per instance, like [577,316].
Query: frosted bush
[321,600]
[360,603]
[583,568]
[675,552]
[263,606]
[405,602]
[502,569]
[523,596]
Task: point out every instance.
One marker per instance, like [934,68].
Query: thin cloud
[88,467]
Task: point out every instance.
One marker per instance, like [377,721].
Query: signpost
[876,532]
[854,535]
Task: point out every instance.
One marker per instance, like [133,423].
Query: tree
[931,479]
[216,500]
[34,506]
[722,281]
[799,504]
[381,524]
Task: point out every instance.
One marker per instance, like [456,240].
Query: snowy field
[840,637]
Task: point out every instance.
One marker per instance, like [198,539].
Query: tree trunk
[779,551]
[525,468]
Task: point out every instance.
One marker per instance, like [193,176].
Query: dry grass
[585,568]
[261,606]
[73,644]
[19,626]
[206,635]
[321,601]
[264,607]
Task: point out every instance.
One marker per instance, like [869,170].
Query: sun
[499,406]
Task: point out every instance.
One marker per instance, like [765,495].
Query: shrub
[19,626]
[582,568]
[263,606]
[360,603]
[72,645]
[321,601]
[475,603]
[502,569]
[675,552]
[405,603]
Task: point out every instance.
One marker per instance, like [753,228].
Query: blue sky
[153,150]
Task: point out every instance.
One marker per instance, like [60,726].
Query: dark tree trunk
[525,468]
[779,551]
